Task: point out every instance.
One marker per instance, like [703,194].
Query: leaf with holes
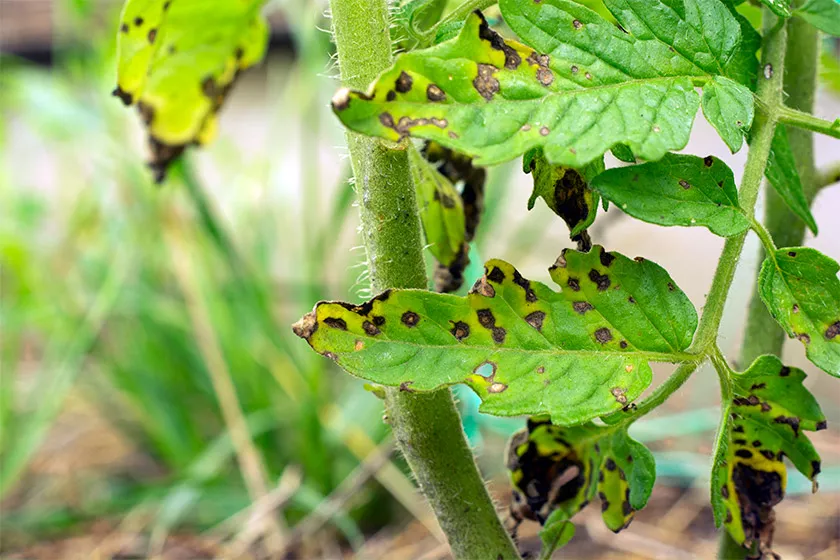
[783,175]
[770,410]
[822,14]
[730,108]
[556,471]
[565,190]
[441,210]
[800,287]
[679,190]
[176,61]
[522,347]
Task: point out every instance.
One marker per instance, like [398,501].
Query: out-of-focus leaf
[176,61]
[822,14]
[556,471]
[729,107]
[779,7]
[784,177]
[678,190]
[556,533]
[769,411]
[523,348]
[800,287]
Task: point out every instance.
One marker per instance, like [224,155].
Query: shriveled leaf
[678,190]
[556,533]
[523,348]
[565,190]
[556,471]
[729,107]
[784,177]
[441,210]
[768,414]
[177,60]
[779,7]
[800,287]
[494,100]
[822,14]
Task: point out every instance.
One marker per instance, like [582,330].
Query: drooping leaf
[729,107]
[523,348]
[779,7]
[800,287]
[494,100]
[176,61]
[565,190]
[782,174]
[822,14]
[441,210]
[678,190]
[768,414]
[556,471]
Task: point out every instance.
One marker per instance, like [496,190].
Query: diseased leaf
[494,100]
[770,410]
[523,348]
[800,287]
[784,177]
[779,7]
[822,14]
[556,471]
[441,210]
[678,190]
[729,107]
[566,191]
[177,60]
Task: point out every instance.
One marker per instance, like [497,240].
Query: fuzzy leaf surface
[523,348]
[177,59]
[678,190]
[770,410]
[822,14]
[441,210]
[800,287]
[556,471]
[729,107]
[783,175]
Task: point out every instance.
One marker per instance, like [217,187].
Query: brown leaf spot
[541,369]
[525,127]
[486,318]
[804,338]
[525,284]
[499,335]
[724,491]
[404,82]
[606,258]
[619,394]
[795,308]
[123,96]
[791,421]
[574,69]
[769,455]
[577,24]
[124,28]
[512,58]
[483,287]
[336,323]
[588,76]
[671,287]
[460,330]
[331,356]
[378,320]
[744,453]
[623,344]
[832,331]
[784,372]
[152,34]
[756,443]
[602,281]
[573,284]
[582,306]
[496,388]
[434,93]
[496,275]
[535,319]
[821,425]
[544,131]
[545,76]
[603,335]
[684,184]
[792,254]
[391,95]
[631,299]
[370,328]
[410,319]
[138,21]
[360,345]
[485,83]
[405,387]
[453,135]
[341,100]
[708,161]
[610,464]
[626,508]
[758,386]
[306,326]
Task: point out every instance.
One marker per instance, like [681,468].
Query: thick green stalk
[426,426]
[770,97]
[762,334]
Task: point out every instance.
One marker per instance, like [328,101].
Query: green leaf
[419,14]
[783,175]
[441,210]
[679,190]
[622,152]
[729,107]
[523,348]
[453,92]
[822,14]
[779,7]
[176,61]
[770,409]
[800,287]
[553,472]
[565,190]
[555,534]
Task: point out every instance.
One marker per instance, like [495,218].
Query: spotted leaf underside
[800,287]
[678,190]
[176,61]
[523,348]
[579,87]
[770,410]
[556,471]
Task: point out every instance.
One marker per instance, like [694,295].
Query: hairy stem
[426,426]
[809,122]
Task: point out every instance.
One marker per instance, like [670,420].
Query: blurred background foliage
[152,390]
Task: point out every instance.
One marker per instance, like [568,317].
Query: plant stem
[807,121]
[426,426]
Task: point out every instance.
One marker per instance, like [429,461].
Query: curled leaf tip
[306,326]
